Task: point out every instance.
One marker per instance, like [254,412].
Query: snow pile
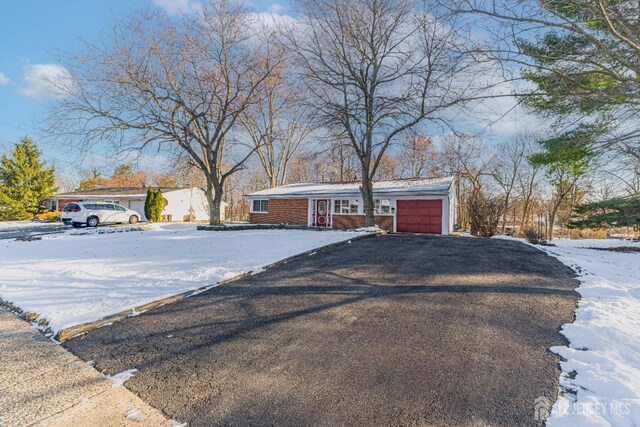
[17,225]
[120,378]
[600,384]
[374,229]
[600,381]
[75,277]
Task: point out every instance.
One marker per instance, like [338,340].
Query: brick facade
[295,211]
[345,222]
[283,211]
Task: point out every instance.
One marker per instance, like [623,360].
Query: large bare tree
[175,84]
[278,123]
[376,69]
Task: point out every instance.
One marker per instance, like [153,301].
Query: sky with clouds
[35,34]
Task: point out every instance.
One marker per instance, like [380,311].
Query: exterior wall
[282,211]
[181,203]
[184,202]
[346,222]
[299,211]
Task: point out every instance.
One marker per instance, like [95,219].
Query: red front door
[321,215]
[419,216]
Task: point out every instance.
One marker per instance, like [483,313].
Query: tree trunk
[504,213]
[551,222]
[367,197]
[214,199]
[525,214]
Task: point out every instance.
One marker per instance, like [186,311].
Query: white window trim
[251,210]
[358,211]
[392,209]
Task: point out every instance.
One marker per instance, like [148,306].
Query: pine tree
[148,203]
[24,182]
[623,212]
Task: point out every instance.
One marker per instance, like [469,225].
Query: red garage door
[419,216]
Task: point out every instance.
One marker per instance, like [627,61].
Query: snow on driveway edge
[600,368]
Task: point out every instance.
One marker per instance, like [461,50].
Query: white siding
[184,202]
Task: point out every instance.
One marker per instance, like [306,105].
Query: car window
[119,208]
[70,206]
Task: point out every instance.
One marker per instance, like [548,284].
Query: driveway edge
[73,331]
[63,391]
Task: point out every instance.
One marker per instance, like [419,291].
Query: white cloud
[275,8]
[178,7]
[3,79]
[46,81]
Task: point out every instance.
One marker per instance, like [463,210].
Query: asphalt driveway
[393,330]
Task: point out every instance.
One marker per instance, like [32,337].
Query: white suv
[94,213]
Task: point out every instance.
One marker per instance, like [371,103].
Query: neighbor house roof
[330,189]
[126,192]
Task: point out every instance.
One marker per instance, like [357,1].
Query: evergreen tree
[24,182]
[148,203]
[154,204]
[584,73]
[623,212]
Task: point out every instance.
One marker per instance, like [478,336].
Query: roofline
[121,196]
[95,196]
[391,193]
[345,194]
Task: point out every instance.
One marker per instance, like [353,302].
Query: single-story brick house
[185,203]
[420,205]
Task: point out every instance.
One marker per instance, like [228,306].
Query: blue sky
[34,34]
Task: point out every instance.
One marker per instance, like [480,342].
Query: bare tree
[178,86]
[528,187]
[469,160]
[417,156]
[507,169]
[564,179]
[376,69]
[278,122]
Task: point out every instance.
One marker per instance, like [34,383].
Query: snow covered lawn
[600,382]
[83,275]
[18,225]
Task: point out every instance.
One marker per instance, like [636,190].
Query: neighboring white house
[185,204]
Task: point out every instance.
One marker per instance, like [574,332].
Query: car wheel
[92,221]
[133,219]
[76,224]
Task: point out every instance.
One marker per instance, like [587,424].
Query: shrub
[154,204]
[532,236]
[49,216]
[484,215]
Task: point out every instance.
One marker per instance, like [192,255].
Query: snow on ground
[17,225]
[86,274]
[600,381]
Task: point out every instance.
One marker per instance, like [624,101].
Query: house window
[54,205]
[383,206]
[345,206]
[260,206]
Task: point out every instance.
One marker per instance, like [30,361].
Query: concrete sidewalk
[41,384]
